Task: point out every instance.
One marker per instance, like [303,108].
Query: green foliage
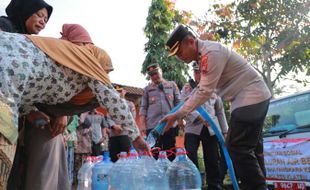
[160,21]
[274,35]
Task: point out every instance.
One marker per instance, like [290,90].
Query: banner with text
[288,159]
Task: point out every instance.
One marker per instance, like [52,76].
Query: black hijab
[19,11]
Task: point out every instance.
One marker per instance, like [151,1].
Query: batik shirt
[28,76]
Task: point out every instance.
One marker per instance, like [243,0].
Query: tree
[160,21]
[273,35]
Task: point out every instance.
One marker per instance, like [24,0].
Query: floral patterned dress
[29,76]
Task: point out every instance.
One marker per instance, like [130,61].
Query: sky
[116,26]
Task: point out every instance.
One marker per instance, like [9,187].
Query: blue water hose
[220,138]
[161,126]
[159,130]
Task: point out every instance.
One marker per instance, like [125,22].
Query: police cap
[176,38]
[152,68]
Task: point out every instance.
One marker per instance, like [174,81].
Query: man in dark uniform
[158,99]
[236,81]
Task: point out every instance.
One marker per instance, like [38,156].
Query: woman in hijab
[78,35]
[36,151]
[44,147]
[26,17]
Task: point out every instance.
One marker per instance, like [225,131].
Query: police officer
[158,99]
[196,131]
[238,82]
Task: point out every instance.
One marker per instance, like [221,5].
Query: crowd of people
[63,106]
[90,134]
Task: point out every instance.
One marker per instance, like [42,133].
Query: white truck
[287,143]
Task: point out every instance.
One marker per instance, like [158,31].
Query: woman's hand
[140,145]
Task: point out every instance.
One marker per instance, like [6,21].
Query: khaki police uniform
[236,81]
[156,102]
